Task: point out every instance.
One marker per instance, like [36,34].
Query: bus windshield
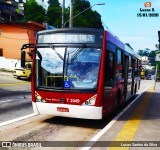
[67,67]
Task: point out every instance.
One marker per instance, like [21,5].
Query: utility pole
[71,14]
[157,59]
[63,7]
[159,40]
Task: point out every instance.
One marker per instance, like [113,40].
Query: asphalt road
[15,97]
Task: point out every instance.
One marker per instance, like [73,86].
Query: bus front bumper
[72,111]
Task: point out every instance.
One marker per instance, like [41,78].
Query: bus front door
[127,77]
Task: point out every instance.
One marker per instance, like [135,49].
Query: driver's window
[110,69]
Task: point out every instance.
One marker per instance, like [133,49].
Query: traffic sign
[67,84]
[157,57]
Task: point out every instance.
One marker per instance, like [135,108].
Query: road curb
[17,119]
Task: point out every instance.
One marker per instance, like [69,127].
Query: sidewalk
[138,128]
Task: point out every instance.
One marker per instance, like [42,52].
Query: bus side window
[130,68]
[135,68]
[119,62]
[110,69]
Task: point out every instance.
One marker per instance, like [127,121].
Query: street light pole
[63,7]
[157,59]
[71,13]
[159,40]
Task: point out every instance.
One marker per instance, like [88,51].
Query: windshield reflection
[79,68]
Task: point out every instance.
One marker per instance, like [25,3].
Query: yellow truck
[23,72]
[142,73]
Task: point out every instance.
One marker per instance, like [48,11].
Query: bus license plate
[62,109]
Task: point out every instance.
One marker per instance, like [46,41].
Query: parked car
[149,77]
[25,72]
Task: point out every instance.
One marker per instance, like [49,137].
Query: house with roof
[13,36]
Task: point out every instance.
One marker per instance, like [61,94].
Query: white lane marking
[107,127]
[17,119]
[6,101]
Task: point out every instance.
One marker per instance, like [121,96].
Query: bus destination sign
[66,38]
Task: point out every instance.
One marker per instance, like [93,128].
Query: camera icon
[147,4]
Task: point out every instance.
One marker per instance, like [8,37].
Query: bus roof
[81,30]
[114,40]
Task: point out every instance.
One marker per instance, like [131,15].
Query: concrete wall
[7,64]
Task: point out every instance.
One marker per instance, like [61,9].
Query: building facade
[10,10]
[14,35]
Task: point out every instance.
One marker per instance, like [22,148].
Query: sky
[120,18]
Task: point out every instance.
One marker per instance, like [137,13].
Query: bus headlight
[39,98]
[91,101]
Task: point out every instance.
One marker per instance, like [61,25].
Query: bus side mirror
[23,58]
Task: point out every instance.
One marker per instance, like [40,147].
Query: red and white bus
[82,73]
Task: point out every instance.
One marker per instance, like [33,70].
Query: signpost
[157,58]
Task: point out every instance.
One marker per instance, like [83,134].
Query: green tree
[54,13]
[152,55]
[54,3]
[89,18]
[146,52]
[33,11]
[140,52]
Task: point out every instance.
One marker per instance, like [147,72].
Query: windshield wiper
[56,52]
[77,52]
